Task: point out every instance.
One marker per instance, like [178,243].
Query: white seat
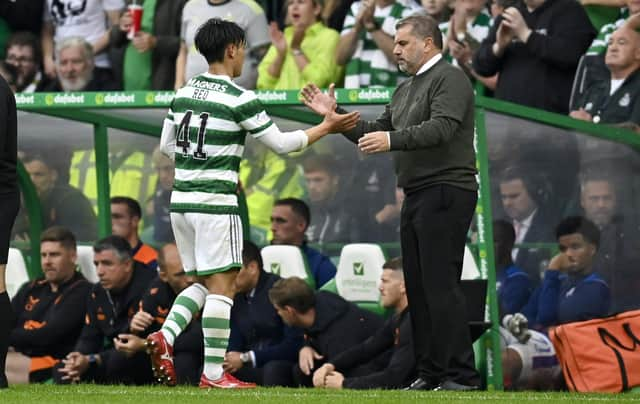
[85,262]
[359,271]
[469,267]
[286,261]
[17,273]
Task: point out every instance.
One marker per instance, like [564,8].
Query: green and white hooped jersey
[369,66]
[210,118]
[601,41]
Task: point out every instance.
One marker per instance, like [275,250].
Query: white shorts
[537,353]
[208,243]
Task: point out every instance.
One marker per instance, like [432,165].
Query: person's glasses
[21,59]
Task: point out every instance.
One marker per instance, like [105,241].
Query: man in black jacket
[50,311]
[429,127]
[524,197]
[10,202]
[154,308]
[535,47]
[23,15]
[616,100]
[385,360]
[61,204]
[262,349]
[111,305]
[331,324]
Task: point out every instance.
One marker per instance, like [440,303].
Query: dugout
[106,140]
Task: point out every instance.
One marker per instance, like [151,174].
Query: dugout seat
[287,261]
[358,275]
[85,263]
[469,267]
[16,272]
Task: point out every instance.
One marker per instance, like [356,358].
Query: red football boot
[227,381]
[161,354]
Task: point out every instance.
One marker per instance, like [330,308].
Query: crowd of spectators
[546,54]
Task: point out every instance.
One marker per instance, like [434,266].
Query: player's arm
[253,118]
[102,43]
[168,138]
[46,38]
[285,142]
[181,66]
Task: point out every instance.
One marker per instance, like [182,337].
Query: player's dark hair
[251,253]
[132,205]
[537,185]
[580,225]
[298,206]
[293,292]
[26,38]
[394,264]
[117,244]
[215,35]
[60,235]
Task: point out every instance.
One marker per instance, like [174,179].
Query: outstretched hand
[339,123]
[317,101]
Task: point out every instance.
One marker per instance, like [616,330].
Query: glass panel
[542,174]
[352,197]
[134,165]
[48,148]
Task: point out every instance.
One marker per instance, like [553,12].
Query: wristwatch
[245,357]
[296,52]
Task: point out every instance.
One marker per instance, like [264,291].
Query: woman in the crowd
[303,53]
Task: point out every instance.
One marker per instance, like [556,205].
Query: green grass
[44,394]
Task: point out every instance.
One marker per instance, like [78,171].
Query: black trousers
[273,373]
[434,224]
[118,369]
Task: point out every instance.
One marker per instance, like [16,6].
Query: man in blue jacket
[262,349]
[290,218]
[571,291]
[512,283]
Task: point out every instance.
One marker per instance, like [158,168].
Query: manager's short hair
[423,26]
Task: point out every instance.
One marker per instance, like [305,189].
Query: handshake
[518,326]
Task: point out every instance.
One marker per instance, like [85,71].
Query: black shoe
[420,384]
[449,385]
